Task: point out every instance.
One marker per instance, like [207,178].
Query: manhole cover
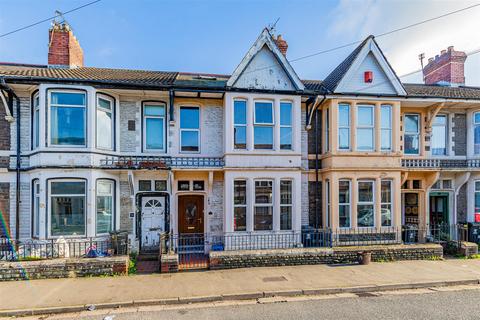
[274,279]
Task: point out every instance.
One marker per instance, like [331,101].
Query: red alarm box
[368,76]
[477,217]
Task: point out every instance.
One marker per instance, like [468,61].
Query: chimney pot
[281,44]
[450,48]
[443,52]
[63,47]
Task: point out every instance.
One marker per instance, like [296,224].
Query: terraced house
[257,159]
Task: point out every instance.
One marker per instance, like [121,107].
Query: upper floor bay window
[286,204]
[263,125]
[476,133]
[67,207]
[365,128]
[286,125]
[344,203]
[154,127]
[386,127]
[36,121]
[366,204]
[189,129]
[263,207]
[240,205]
[439,135]
[412,134]
[386,204]
[104,219]
[68,125]
[105,120]
[343,127]
[240,124]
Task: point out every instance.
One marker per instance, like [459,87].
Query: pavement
[75,294]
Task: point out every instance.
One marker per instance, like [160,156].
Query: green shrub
[132,264]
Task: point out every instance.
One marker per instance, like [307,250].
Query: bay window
[36,121]
[240,124]
[104,219]
[105,122]
[67,118]
[285,126]
[240,205]
[365,204]
[67,207]
[439,136]
[263,125]
[386,202]
[344,203]
[386,128]
[189,129]
[476,133]
[154,127]
[365,128]
[412,134]
[263,207]
[286,204]
[343,127]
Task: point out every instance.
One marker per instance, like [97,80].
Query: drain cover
[274,279]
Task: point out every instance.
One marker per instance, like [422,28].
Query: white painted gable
[264,67]
[370,58]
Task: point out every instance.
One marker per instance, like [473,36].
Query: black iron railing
[159,162]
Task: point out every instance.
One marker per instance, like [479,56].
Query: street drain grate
[274,279]
[366,294]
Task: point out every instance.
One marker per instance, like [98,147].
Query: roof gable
[265,67]
[348,76]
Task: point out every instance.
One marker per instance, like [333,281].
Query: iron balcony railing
[440,163]
[161,162]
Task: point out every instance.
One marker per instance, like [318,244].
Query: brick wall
[459,129]
[130,139]
[311,135]
[4,132]
[462,213]
[4,208]
[312,203]
[64,48]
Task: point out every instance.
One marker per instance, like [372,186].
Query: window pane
[344,191]
[68,187]
[286,138]
[240,219]
[477,185]
[240,192]
[343,138]
[365,116]
[386,191]
[386,215]
[263,137]
[365,139]
[411,123]
[240,137]
[263,192]
[240,112]
[154,110]
[104,129]
[439,137]
[476,138]
[144,185]
[105,104]
[67,126]
[285,114]
[68,98]
[477,202]
[160,185]
[37,127]
[476,118]
[154,133]
[386,116]
[67,215]
[190,141]
[189,118]
[344,115]
[344,216]
[285,192]
[411,144]
[263,218]
[104,206]
[365,191]
[365,216]
[263,112]
[440,120]
[386,139]
[286,218]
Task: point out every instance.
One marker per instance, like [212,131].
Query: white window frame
[240,205]
[263,124]
[445,127]
[271,204]
[49,115]
[36,209]
[112,195]
[372,203]
[390,202]
[344,127]
[285,125]
[371,127]
[190,129]
[144,126]
[389,128]
[240,124]
[112,120]
[282,205]
[475,124]
[345,204]
[36,121]
[405,133]
[50,206]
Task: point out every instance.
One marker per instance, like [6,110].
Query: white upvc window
[286,204]
[263,205]
[154,127]
[411,137]
[105,204]
[36,208]
[365,128]
[263,125]
[36,121]
[476,133]
[68,121]
[105,122]
[286,116]
[344,207]
[240,124]
[386,202]
[67,207]
[190,129]
[366,203]
[386,127]
[240,205]
[439,135]
[343,126]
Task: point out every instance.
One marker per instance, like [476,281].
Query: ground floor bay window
[67,207]
[104,218]
[366,204]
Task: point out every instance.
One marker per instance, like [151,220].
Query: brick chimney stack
[281,44]
[63,47]
[446,68]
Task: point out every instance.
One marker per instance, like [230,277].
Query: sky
[212,36]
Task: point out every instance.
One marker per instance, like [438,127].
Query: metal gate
[191,249]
